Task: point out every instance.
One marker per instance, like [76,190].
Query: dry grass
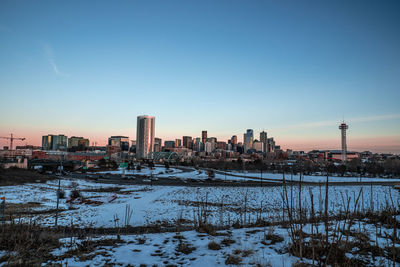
[31,245]
[84,250]
[15,176]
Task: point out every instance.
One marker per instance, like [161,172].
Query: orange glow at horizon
[384,144]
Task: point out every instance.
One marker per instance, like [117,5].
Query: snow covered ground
[224,205]
[161,249]
[312,178]
[154,204]
[259,246]
[191,173]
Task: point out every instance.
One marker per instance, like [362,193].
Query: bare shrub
[233,260]
[185,248]
[75,194]
[214,245]
[228,241]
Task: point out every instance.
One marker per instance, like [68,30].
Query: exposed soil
[15,176]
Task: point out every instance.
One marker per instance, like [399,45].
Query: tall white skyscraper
[144,136]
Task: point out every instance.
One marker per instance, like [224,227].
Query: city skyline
[291,69]
[319,144]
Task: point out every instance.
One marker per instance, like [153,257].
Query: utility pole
[2,209]
[59,189]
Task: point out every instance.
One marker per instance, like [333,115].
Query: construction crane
[12,138]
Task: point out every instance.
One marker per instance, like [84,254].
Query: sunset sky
[292,68]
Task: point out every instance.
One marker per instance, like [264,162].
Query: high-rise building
[208,147]
[78,143]
[203,136]
[248,140]
[221,145]
[211,139]
[169,144]
[258,146]
[120,141]
[234,140]
[198,145]
[264,140]
[187,142]
[54,142]
[157,144]
[145,136]
[271,144]
[343,127]
[178,143]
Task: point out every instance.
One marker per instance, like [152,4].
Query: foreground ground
[134,224]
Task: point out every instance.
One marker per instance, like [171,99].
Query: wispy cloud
[349,120]
[50,57]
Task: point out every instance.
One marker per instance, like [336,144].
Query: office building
[234,140]
[271,144]
[169,144]
[208,147]
[204,136]
[187,142]
[221,145]
[248,140]
[157,144]
[78,143]
[198,145]
[258,146]
[145,132]
[120,141]
[178,143]
[264,140]
[54,142]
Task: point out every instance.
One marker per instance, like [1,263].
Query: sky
[295,69]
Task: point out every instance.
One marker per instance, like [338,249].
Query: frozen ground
[155,204]
[266,246]
[161,250]
[311,178]
[224,206]
[190,173]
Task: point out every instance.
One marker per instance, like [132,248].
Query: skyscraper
[234,140]
[248,140]
[197,144]
[187,142]
[203,136]
[264,139]
[178,143]
[157,144]
[271,145]
[145,136]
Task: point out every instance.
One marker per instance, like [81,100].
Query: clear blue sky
[293,68]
